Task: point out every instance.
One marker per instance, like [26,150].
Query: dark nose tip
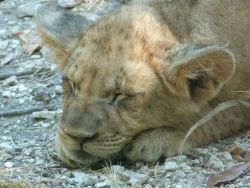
[86,139]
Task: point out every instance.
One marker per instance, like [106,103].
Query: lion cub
[136,80]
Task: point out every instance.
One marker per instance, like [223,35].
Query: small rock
[27,9]
[8,164]
[27,151]
[215,162]
[138,179]
[104,184]
[117,168]
[11,81]
[170,165]
[21,88]
[179,174]
[59,90]
[226,155]
[45,125]
[44,115]
[42,94]
[6,146]
[4,44]
[68,3]
[5,138]
[79,176]
[7,94]
[148,186]
[195,162]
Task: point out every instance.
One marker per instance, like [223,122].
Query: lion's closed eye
[115,98]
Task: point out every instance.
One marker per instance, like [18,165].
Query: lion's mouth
[86,151]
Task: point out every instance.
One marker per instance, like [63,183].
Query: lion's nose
[82,124]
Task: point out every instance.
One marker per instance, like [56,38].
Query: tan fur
[138,79]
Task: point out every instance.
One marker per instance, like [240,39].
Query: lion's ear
[198,71]
[60,29]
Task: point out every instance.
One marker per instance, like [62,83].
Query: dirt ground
[31,103]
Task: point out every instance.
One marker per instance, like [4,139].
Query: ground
[30,107]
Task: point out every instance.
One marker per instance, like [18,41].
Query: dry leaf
[228,175]
[31,41]
[237,152]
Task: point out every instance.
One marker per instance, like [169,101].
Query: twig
[21,73]
[25,111]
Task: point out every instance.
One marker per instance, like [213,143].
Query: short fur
[140,77]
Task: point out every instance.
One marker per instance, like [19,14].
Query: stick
[24,111]
[21,73]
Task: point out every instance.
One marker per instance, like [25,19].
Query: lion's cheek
[62,155]
[67,141]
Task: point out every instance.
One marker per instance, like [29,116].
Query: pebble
[148,186]
[27,9]
[4,44]
[227,156]
[170,165]
[117,168]
[104,184]
[138,178]
[11,81]
[8,164]
[68,3]
[45,125]
[179,174]
[27,151]
[59,90]
[6,146]
[7,94]
[79,176]
[42,94]
[215,162]
[44,115]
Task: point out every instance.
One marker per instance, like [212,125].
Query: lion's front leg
[152,144]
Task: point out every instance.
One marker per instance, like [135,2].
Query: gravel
[27,140]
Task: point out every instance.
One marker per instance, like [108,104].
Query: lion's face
[122,77]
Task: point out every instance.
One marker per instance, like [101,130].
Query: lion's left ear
[197,71]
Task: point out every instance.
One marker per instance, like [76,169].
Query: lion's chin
[76,158]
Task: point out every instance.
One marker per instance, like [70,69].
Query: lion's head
[123,75]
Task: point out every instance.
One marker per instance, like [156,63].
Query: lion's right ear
[60,30]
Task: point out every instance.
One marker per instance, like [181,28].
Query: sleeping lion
[140,77]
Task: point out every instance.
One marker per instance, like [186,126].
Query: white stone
[179,174]
[44,115]
[138,178]
[8,164]
[79,176]
[7,94]
[11,81]
[21,88]
[117,168]
[45,125]
[59,90]
[148,186]
[4,44]
[104,184]
[27,9]
[215,162]
[68,3]
[226,155]
[6,146]
[170,165]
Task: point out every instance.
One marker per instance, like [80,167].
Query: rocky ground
[30,106]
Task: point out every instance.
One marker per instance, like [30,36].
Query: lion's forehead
[105,74]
